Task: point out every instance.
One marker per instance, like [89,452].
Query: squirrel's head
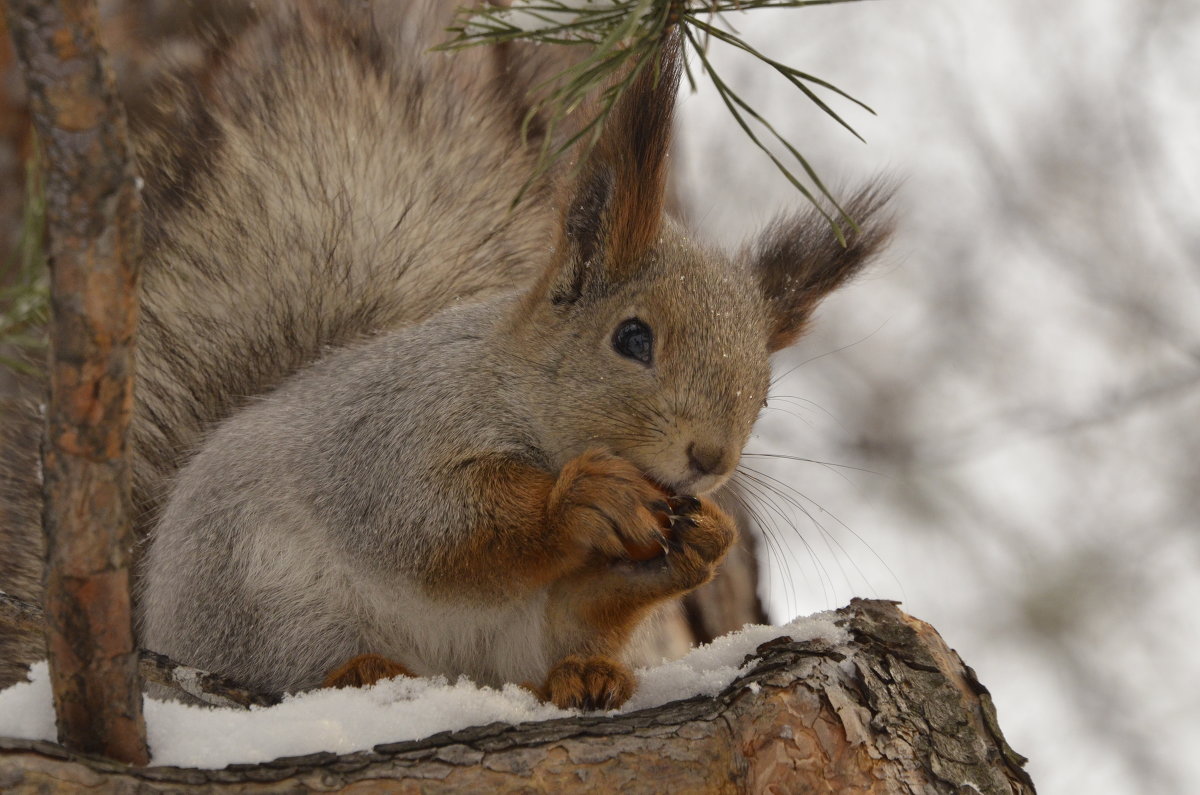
[649,344]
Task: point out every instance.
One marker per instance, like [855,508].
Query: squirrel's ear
[799,260]
[613,208]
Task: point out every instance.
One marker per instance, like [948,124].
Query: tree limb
[92,215]
[891,711]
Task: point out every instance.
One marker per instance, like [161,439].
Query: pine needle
[624,36]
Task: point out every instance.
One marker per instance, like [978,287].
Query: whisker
[786,373]
[735,493]
[774,550]
[760,490]
[832,467]
[814,404]
[792,414]
[784,485]
[825,535]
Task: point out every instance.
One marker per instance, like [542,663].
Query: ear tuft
[613,209]
[799,260]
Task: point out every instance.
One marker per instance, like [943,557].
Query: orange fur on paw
[703,536]
[364,670]
[540,528]
[642,552]
[588,683]
[608,506]
[612,600]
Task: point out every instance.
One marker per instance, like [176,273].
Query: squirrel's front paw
[608,506]
[588,683]
[700,534]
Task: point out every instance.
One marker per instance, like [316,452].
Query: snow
[402,709]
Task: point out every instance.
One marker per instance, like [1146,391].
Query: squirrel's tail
[22,549]
[328,178]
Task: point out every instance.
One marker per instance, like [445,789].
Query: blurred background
[1009,405]
[999,425]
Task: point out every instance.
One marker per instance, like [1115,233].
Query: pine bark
[92,217]
[893,710]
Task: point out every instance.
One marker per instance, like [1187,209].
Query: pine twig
[625,35]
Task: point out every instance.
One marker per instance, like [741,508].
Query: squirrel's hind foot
[588,683]
[364,670]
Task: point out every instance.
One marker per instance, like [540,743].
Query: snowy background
[1021,376]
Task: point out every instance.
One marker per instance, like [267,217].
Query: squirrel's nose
[706,460]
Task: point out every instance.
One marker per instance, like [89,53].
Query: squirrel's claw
[679,517]
[678,522]
[683,504]
[663,542]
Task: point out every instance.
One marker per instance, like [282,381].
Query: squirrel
[388,426]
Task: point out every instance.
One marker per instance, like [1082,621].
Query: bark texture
[92,217]
[892,711]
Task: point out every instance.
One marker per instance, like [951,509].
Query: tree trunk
[892,711]
[92,217]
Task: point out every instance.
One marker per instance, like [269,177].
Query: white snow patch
[343,721]
[25,709]
[706,670]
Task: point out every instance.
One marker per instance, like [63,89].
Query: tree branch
[891,711]
[92,214]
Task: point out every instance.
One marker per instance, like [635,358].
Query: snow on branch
[865,698]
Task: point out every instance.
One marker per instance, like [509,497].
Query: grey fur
[307,185]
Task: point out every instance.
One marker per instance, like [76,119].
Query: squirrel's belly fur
[380,412]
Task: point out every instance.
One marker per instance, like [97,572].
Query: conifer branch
[625,36]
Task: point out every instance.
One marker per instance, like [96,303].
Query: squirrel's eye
[634,339]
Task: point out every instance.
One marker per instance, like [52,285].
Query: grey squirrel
[387,426]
